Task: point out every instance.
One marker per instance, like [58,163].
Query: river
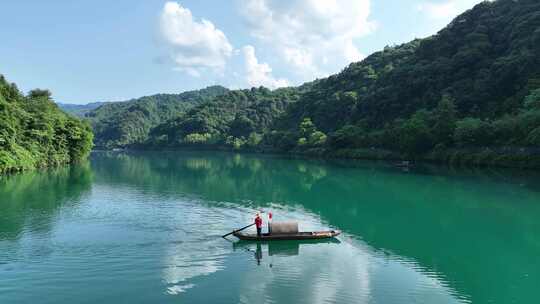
[145,228]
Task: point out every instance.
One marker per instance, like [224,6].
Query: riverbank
[502,157]
[509,157]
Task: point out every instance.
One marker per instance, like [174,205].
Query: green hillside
[122,124]
[485,63]
[237,119]
[35,133]
[470,93]
[473,86]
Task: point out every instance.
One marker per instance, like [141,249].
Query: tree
[309,135]
[254,140]
[317,138]
[446,116]
[347,137]
[307,127]
[241,126]
[415,136]
[197,138]
[39,93]
[235,142]
[472,132]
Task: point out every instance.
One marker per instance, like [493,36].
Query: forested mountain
[235,119]
[79,110]
[473,85]
[486,61]
[121,124]
[35,133]
[469,93]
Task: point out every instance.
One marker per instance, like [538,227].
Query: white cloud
[259,74]
[314,36]
[446,10]
[194,45]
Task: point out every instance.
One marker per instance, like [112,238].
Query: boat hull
[318,235]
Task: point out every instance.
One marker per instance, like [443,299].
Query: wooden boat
[317,235]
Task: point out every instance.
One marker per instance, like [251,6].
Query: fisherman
[269,222]
[258,224]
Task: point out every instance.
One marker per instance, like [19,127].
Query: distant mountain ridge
[120,124]
[236,118]
[79,110]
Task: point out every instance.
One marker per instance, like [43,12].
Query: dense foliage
[411,97]
[35,133]
[236,119]
[472,91]
[121,124]
[469,93]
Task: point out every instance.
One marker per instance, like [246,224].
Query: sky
[88,51]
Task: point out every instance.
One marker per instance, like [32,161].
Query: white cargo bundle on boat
[284,227]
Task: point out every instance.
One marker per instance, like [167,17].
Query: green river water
[145,228]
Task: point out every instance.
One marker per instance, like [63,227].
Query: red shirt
[258,222]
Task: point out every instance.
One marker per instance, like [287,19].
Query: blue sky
[87,51]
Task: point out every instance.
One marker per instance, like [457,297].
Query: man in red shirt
[258,224]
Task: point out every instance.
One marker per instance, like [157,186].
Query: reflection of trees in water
[450,221]
[31,199]
[310,174]
[198,164]
[220,176]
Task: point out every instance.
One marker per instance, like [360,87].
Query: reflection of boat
[317,235]
[279,249]
[285,248]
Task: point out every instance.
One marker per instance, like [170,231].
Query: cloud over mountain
[259,74]
[445,10]
[193,45]
[313,36]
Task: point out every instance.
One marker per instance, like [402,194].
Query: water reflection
[195,250]
[337,272]
[277,248]
[258,254]
[448,221]
[153,221]
[29,201]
